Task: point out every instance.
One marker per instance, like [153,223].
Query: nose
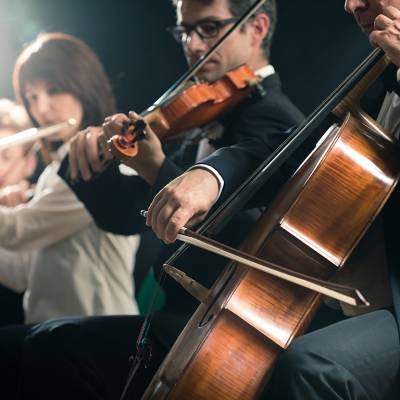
[195,45]
[351,6]
[43,105]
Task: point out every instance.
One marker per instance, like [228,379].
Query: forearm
[115,200]
[49,217]
[14,270]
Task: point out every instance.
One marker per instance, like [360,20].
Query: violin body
[229,347]
[196,106]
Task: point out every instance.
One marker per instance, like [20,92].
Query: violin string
[202,60]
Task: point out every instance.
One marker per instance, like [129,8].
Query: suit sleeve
[259,130]
[115,200]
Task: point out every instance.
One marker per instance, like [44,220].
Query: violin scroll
[125,145]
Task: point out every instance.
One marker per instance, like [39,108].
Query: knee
[48,338]
[296,362]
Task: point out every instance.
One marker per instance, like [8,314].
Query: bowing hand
[386,33]
[185,201]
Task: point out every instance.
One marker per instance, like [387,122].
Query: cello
[230,345]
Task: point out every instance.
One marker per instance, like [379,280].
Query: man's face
[235,51]
[365,11]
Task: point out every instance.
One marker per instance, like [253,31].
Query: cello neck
[352,100]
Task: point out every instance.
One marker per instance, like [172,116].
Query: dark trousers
[84,358]
[87,358]
[357,358]
[11,349]
[11,311]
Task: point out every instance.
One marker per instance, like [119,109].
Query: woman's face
[49,106]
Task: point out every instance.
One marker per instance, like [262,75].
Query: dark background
[316,45]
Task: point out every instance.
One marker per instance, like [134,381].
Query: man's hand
[87,154]
[183,202]
[386,33]
[150,155]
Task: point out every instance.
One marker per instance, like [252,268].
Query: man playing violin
[254,128]
[355,358]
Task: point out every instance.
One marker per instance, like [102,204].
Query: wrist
[208,179]
[214,173]
[150,168]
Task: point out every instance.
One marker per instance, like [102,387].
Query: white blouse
[51,249]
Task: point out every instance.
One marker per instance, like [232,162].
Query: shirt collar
[265,71]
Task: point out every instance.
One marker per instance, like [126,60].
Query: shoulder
[272,103]
[268,105]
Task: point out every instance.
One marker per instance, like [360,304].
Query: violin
[196,106]
[184,107]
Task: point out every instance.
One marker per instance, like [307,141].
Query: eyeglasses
[205,29]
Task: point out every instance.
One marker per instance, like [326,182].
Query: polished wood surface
[230,345]
[344,194]
[312,227]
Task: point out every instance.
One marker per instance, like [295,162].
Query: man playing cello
[358,357]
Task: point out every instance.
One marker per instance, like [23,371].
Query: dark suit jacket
[255,128]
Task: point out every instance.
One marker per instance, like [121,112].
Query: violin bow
[204,58]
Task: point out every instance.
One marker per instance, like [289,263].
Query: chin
[209,73]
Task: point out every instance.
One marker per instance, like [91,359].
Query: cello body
[230,345]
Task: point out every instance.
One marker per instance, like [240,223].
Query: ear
[260,25]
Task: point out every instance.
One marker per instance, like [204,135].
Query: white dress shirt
[51,249]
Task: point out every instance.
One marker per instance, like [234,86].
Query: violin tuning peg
[140,125]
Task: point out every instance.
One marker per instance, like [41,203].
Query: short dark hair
[239,7]
[71,66]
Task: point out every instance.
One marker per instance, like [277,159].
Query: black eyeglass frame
[181,33]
